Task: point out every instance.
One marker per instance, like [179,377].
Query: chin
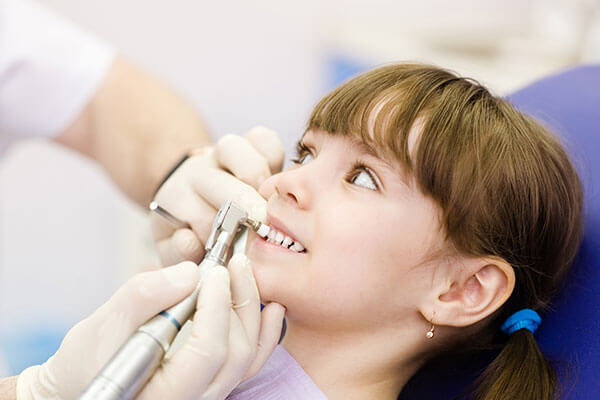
[271,282]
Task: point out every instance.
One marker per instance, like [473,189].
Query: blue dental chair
[568,103]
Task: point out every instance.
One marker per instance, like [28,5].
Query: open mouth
[277,238]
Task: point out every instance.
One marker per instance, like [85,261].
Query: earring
[429,334]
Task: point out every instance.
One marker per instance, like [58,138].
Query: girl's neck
[354,365]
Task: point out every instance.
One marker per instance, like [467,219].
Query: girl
[422,215]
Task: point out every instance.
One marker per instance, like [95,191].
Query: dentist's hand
[220,352]
[232,169]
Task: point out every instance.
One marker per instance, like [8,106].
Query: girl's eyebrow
[393,166]
[360,145]
[370,151]
[365,148]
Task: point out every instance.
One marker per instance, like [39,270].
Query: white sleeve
[49,70]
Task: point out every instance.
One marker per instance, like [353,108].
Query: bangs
[380,107]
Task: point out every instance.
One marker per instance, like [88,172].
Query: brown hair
[505,186]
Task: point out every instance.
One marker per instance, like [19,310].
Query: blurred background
[68,238]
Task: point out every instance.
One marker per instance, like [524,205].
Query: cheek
[357,264]
[371,256]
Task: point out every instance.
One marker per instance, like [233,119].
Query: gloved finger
[148,293]
[270,333]
[236,154]
[217,186]
[183,245]
[245,297]
[96,338]
[191,369]
[239,358]
[267,143]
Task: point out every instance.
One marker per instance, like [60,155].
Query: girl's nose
[292,185]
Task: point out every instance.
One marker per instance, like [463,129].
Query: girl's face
[367,229]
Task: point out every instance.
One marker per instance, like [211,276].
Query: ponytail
[519,372]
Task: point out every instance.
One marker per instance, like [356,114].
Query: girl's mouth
[273,236]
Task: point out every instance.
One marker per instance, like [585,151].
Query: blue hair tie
[523,319]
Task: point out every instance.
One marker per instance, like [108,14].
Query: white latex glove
[231,170]
[221,350]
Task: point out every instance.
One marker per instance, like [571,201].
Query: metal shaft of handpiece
[257,226]
[155,207]
[253,224]
[137,360]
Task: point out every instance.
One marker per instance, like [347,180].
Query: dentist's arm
[59,81]
[136,128]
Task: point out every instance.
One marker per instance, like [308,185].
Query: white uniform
[49,70]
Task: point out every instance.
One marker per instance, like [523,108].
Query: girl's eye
[304,159]
[362,176]
[303,154]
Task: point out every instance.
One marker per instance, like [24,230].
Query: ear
[472,292]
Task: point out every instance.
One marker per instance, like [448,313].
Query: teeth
[286,241]
[273,236]
[263,231]
[297,247]
[279,237]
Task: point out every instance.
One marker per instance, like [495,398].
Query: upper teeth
[278,238]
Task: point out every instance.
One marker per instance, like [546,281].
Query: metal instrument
[155,207]
[136,361]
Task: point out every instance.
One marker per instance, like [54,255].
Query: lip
[276,223]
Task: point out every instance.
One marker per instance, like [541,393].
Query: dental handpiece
[135,362]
